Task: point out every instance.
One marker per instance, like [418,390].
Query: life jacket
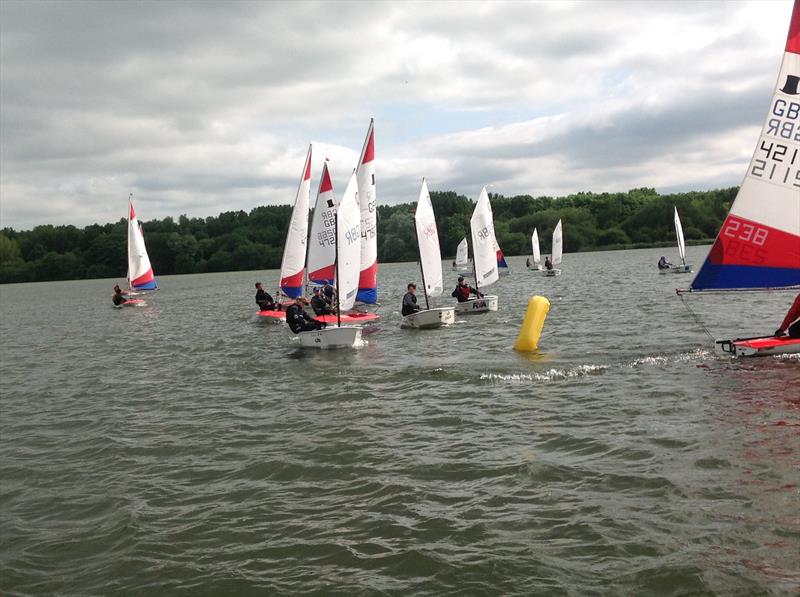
[463,293]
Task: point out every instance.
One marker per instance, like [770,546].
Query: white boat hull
[430,318]
[535,268]
[552,272]
[346,337]
[481,305]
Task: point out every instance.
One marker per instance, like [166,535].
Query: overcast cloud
[199,108]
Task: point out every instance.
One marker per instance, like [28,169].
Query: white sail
[484,254]
[348,249]
[368,200]
[430,255]
[537,256]
[140,272]
[679,234]
[322,240]
[558,244]
[462,259]
[294,251]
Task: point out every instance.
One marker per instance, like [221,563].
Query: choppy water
[185,448]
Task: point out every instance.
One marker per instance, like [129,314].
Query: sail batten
[758,245]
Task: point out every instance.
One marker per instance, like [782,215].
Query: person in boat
[548,265]
[463,290]
[410,300]
[118,297]
[319,304]
[299,320]
[328,294]
[791,323]
[663,263]
[528,262]
[264,299]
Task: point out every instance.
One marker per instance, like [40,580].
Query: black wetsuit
[118,299]
[300,321]
[264,300]
[320,305]
[327,292]
[410,304]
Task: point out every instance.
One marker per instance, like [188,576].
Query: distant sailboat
[683,268]
[536,264]
[348,251]
[462,262]
[758,247]
[502,266]
[556,250]
[367,198]
[430,262]
[141,279]
[484,256]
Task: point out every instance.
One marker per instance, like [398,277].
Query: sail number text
[746,232]
[777,162]
[786,125]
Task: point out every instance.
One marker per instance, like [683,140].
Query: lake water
[186,448]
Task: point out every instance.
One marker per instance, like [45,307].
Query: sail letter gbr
[759,243]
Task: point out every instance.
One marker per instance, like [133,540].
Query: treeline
[248,241]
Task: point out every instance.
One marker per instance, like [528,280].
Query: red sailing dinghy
[758,247]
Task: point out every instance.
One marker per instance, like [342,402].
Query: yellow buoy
[528,339]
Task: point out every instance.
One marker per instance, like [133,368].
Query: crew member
[319,304]
[328,294]
[118,298]
[463,290]
[410,300]
[263,299]
[792,321]
[548,265]
[299,320]
[663,263]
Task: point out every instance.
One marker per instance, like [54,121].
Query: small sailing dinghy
[294,251]
[484,257]
[555,252]
[683,268]
[430,263]
[536,264]
[502,266]
[141,280]
[462,263]
[347,240]
[758,247]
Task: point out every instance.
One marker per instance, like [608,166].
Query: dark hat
[461,278]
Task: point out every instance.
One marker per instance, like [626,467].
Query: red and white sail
[367,198]
[759,243]
[140,272]
[322,240]
[430,255]
[294,251]
[348,247]
[484,255]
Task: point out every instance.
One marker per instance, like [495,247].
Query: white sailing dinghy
[555,253]
[140,277]
[536,264]
[484,257]
[462,264]
[683,268]
[430,263]
[758,247]
[347,226]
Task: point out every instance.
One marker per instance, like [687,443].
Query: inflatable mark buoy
[528,339]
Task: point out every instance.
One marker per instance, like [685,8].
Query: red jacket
[794,313]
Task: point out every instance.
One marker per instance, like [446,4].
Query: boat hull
[430,318]
[272,316]
[677,269]
[331,338]
[481,305]
[759,347]
[535,268]
[551,273]
[132,303]
[351,317]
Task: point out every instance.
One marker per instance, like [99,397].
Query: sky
[201,107]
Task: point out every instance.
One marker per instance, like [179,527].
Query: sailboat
[484,256]
[683,268]
[536,264]
[502,266]
[367,198]
[555,252]
[294,250]
[347,226]
[430,263]
[758,247]
[462,263]
[140,277]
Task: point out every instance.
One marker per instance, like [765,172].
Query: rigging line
[696,318]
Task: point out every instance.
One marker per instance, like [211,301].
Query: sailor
[463,290]
[263,299]
[663,263]
[548,265]
[328,294]
[791,322]
[528,262]
[117,298]
[410,300]
[319,304]
[299,320]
